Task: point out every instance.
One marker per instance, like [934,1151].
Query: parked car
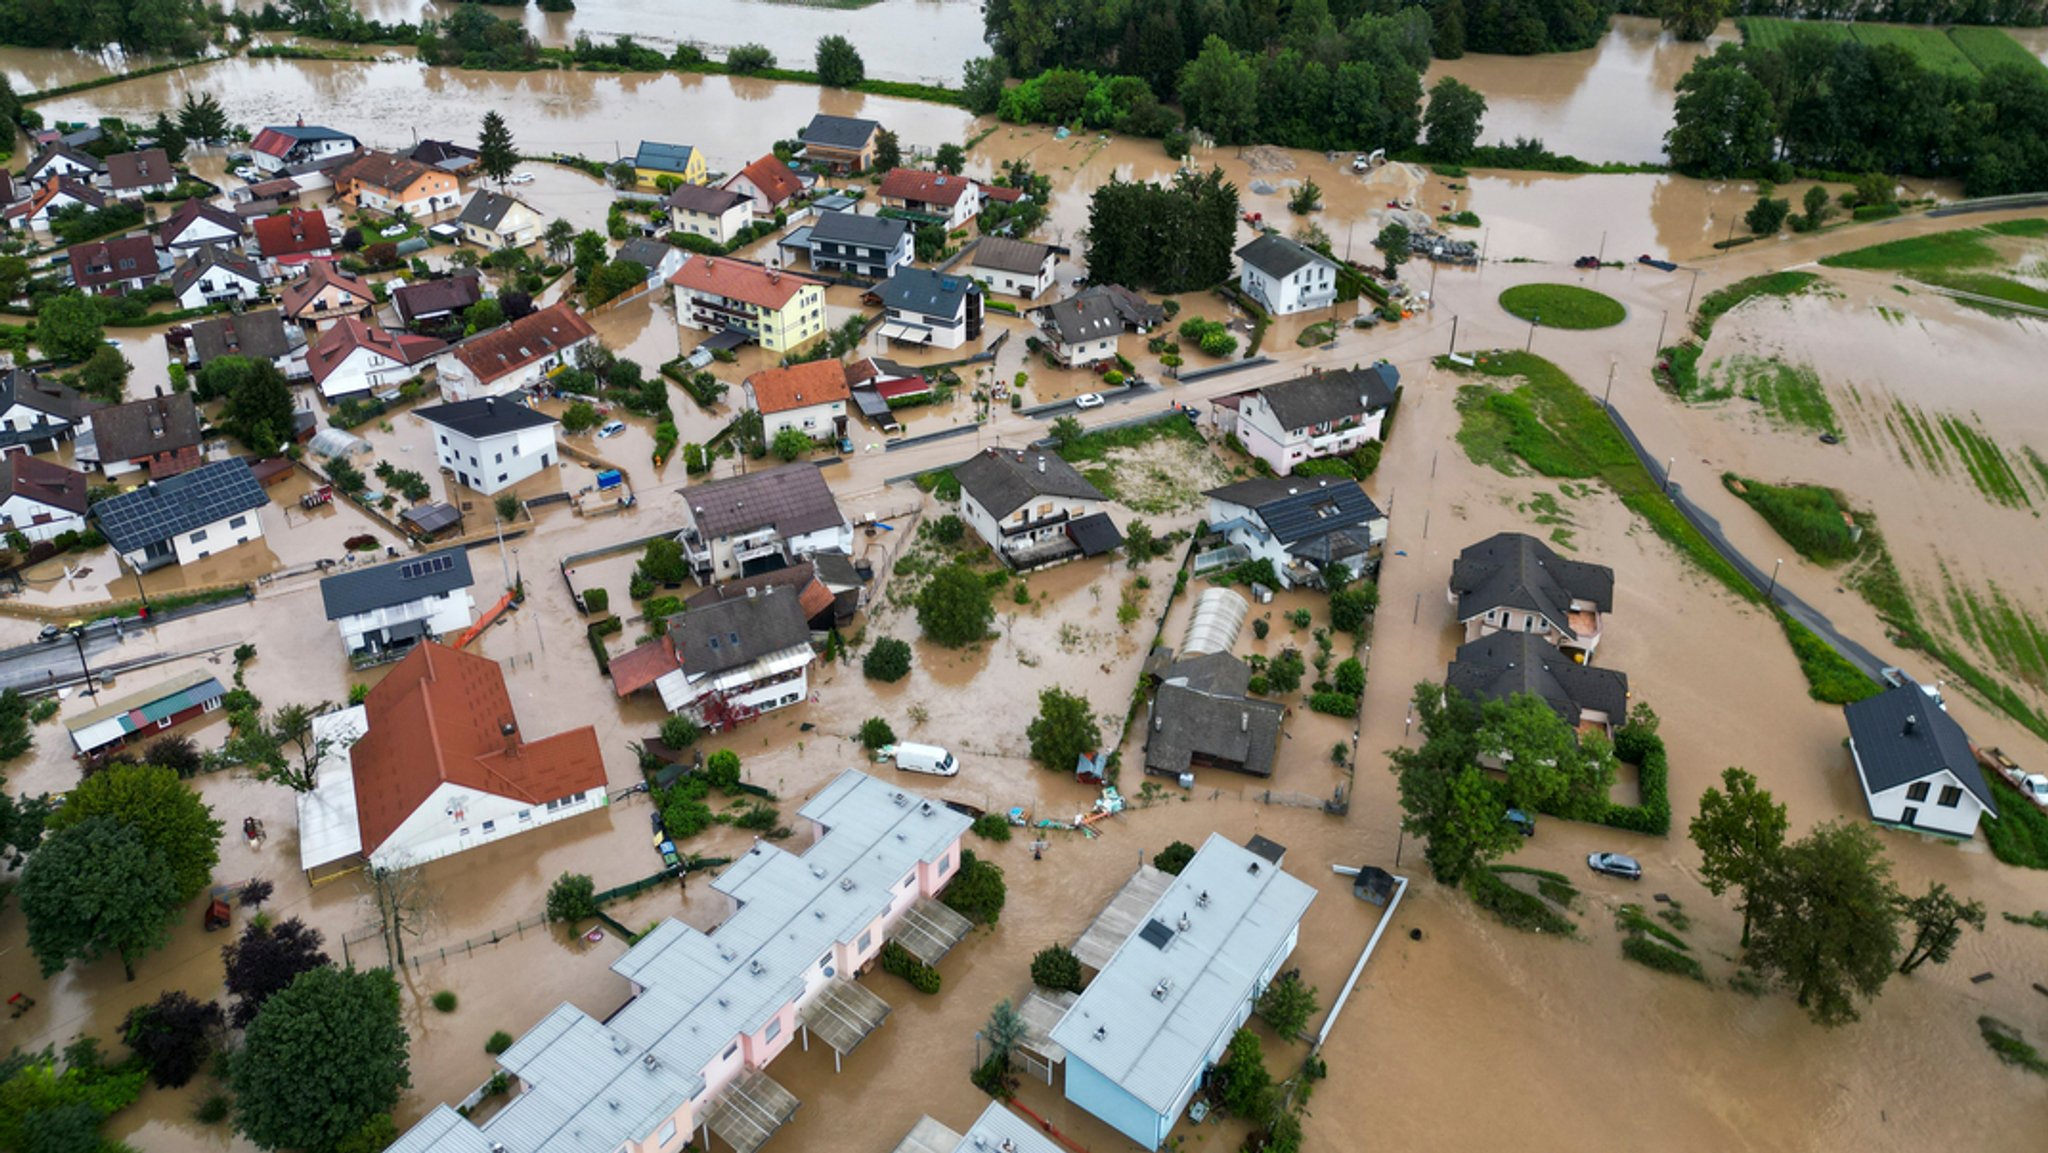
[1088,400]
[1523,822]
[612,428]
[520,178]
[248,174]
[1616,865]
[49,633]
[240,158]
[926,759]
[660,833]
[391,230]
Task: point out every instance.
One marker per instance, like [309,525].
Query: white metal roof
[1217,619]
[1239,909]
[998,1130]
[328,829]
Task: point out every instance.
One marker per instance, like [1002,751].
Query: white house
[280,146]
[1322,414]
[61,159]
[353,358]
[725,663]
[215,275]
[1033,508]
[1915,764]
[383,610]
[760,521]
[491,444]
[186,518]
[37,413]
[197,223]
[1286,276]
[39,499]
[515,356]
[809,397]
[769,183]
[716,214]
[953,199]
[1083,329]
[658,257]
[1512,581]
[52,196]
[433,763]
[493,220]
[1013,267]
[929,309]
[1300,524]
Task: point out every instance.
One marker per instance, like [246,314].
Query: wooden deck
[1122,916]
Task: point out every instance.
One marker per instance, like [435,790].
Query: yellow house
[679,162]
[778,310]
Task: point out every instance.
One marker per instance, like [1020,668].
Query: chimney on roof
[1912,720]
[1244,721]
[1041,464]
[491,404]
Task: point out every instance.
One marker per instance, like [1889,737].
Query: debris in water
[1980,978]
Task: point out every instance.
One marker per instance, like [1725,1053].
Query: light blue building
[1161,1012]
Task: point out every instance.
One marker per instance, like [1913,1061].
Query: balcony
[1031,526]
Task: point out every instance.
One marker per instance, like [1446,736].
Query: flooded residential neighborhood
[627,633]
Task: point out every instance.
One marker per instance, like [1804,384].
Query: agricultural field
[1959,51]
[1966,260]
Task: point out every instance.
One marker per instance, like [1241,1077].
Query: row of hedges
[898,960]
[1640,746]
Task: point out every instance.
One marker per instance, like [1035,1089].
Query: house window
[729,1051]
[526,814]
[197,535]
[1951,796]
[667,1134]
[825,961]
[1918,792]
[444,438]
[165,723]
[500,459]
[462,832]
[490,826]
[945,863]
[501,478]
[239,521]
[867,940]
[773,1030]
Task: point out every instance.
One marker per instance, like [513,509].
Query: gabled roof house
[1513,581]
[1915,764]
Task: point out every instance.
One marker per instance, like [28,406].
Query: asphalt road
[36,665]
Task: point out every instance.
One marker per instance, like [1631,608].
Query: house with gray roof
[1083,329]
[1033,508]
[494,220]
[1150,1025]
[261,335]
[1301,524]
[1915,764]
[928,308]
[383,610]
[761,521]
[1286,276]
[1204,716]
[869,247]
[840,144]
[687,1057]
[724,662]
[1013,267]
[37,413]
[438,302]
[1504,664]
[658,257]
[1513,582]
[186,518]
[1324,414]
[716,214]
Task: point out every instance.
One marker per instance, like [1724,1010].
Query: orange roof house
[387,183]
[809,397]
[517,355]
[768,181]
[438,765]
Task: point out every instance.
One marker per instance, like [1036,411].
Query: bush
[499,1042]
[597,600]
[748,58]
[1284,672]
[875,733]
[1350,678]
[898,960]
[213,1110]
[946,530]
[444,1001]
[1174,857]
[1055,967]
[679,732]
[887,661]
[993,827]
[1335,704]
[571,898]
[1287,1004]
[1261,627]
[1644,951]
[977,891]
[722,769]
[1515,908]
[953,607]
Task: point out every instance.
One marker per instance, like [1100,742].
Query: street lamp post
[78,638]
[1533,322]
[1607,398]
[1669,464]
[1771,593]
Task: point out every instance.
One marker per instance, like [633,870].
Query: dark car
[1522,821]
[1616,865]
[660,833]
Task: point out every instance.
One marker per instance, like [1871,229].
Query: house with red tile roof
[283,146]
[768,182]
[778,310]
[355,357]
[382,182]
[433,762]
[810,398]
[515,356]
[954,199]
[325,297]
[293,237]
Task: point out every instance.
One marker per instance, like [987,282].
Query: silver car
[1616,865]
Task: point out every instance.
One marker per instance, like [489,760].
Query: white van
[926,759]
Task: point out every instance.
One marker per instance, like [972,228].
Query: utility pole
[502,558]
[78,638]
[1669,463]
[1660,332]
[1607,400]
[1533,322]
[1771,594]
[1690,289]
[1454,335]
[1601,258]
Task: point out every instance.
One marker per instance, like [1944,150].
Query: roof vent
[650,1062]
[900,799]
[846,884]
[1202,901]
[619,1044]
[612,1103]
[724,1003]
[725,953]
[1912,721]
[1252,868]
[1160,990]
[818,871]
[926,808]
[1184,922]
[1101,1031]
[755,967]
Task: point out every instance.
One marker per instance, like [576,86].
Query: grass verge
[1677,369]
[1644,951]
[1960,260]
[1515,908]
[1096,444]
[1790,395]
[2020,834]
[1563,306]
[1809,517]
[2005,1040]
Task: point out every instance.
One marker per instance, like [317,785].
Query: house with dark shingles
[438,300]
[1286,276]
[724,663]
[383,610]
[257,335]
[1515,583]
[215,275]
[284,146]
[517,355]
[1203,716]
[37,414]
[716,214]
[869,247]
[493,220]
[842,145]
[929,309]
[39,499]
[768,182]
[53,196]
[1323,414]
[134,175]
[658,257]
[1013,267]
[744,525]
[1302,525]
[1033,508]
[1083,329]
[196,223]
[1915,764]
[185,519]
[65,161]
[433,763]
[444,155]
[1496,667]
[158,433]
[114,267]
[491,443]
[827,587]
[954,200]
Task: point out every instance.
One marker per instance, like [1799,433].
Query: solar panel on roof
[413,570]
[1155,934]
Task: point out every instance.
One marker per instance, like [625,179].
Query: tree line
[1168,238]
[167,27]
[1818,104]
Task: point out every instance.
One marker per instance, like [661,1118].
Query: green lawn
[1931,47]
[1937,251]
[1563,306]
[1808,516]
[1790,395]
[1965,51]
[1989,47]
[1772,32]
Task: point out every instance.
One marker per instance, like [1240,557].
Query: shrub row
[898,960]
[1645,750]
[1514,908]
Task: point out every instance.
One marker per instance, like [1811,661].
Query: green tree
[1220,91]
[746,59]
[168,137]
[1937,918]
[1817,207]
[284,749]
[875,733]
[953,607]
[259,411]
[91,890]
[613,278]
[981,84]
[1451,123]
[1349,607]
[160,811]
[1875,188]
[1241,1078]
[1826,921]
[929,241]
[887,660]
[1174,857]
[1066,430]
[1444,796]
[1740,834]
[105,375]
[1064,731]
[950,158]
[1287,1004]
[174,1036]
[678,731]
[1004,1032]
[202,119]
[1691,20]
[1306,199]
[485,313]
[590,248]
[722,768]
[839,64]
[1722,124]
[790,443]
[978,891]
[662,561]
[888,150]
[321,1060]
[495,152]
[1393,245]
[571,898]
[581,416]
[1766,216]
[68,327]
[1548,767]
[559,241]
[1055,967]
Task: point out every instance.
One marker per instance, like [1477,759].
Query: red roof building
[520,354]
[293,237]
[356,356]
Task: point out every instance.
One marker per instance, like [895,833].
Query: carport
[929,930]
[842,1016]
[750,1111]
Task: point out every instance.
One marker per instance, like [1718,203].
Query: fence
[417,958]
